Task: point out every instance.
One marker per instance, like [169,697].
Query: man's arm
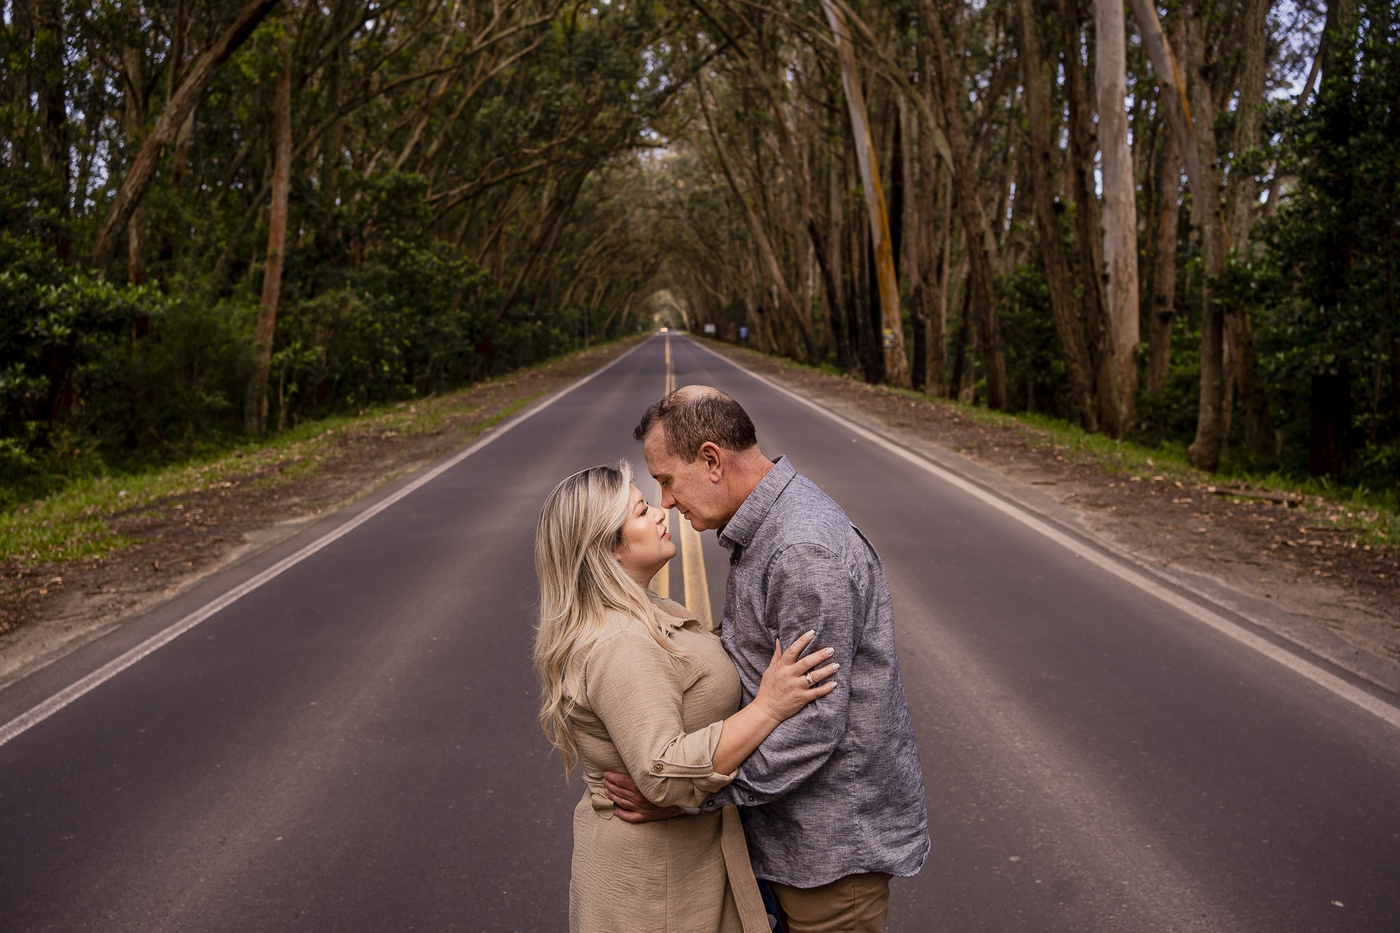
[629,804]
[809,587]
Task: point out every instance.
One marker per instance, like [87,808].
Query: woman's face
[646,544]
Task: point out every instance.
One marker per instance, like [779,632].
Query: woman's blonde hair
[579,531]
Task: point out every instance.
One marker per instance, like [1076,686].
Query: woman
[632,682]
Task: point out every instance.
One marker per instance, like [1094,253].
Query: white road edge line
[1293,662]
[63,698]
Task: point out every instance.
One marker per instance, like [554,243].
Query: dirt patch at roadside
[1268,549]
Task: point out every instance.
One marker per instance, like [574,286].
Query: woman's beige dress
[658,718]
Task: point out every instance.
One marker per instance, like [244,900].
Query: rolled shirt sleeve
[636,689]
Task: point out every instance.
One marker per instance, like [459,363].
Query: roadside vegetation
[71,522]
[1369,516]
[227,223]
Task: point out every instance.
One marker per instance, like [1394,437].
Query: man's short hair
[689,419]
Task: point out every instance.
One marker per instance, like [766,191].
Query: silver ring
[812,684]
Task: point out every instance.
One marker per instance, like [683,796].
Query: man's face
[692,487]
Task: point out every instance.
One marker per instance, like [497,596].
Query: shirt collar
[750,515]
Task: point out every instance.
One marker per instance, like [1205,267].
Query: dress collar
[671,615]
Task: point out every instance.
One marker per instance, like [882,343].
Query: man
[833,801]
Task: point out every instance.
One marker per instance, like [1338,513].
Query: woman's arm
[784,690]
[636,690]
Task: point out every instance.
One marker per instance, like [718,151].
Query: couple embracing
[794,717]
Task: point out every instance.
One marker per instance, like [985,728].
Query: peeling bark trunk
[896,362]
[1119,218]
[255,414]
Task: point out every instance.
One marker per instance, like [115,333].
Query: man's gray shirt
[836,790]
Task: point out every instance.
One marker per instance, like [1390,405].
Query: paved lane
[352,745]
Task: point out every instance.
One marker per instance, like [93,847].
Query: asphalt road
[350,744]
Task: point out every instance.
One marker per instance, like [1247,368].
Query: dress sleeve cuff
[690,758]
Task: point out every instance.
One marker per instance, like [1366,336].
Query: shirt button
[656,766]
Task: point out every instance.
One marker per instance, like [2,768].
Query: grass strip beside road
[74,523]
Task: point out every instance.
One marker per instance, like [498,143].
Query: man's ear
[712,458]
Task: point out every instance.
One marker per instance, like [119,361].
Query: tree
[896,362]
[1058,277]
[138,177]
[980,243]
[1119,385]
[256,414]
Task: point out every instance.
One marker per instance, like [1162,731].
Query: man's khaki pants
[853,904]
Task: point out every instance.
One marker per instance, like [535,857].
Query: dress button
[656,766]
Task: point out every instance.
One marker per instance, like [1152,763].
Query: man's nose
[668,501]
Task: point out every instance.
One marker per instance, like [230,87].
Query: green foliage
[1326,281]
[1035,368]
[455,174]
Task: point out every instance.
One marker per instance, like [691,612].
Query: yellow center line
[661,583]
[688,543]
[697,591]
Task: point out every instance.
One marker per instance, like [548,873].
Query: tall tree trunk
[964,336]
[1087,225]
[1168,216]
[1191,121]
[1064,307]
[138,178]
[914,205]
[1241,191]
[255,414]
[53,114]
[845,351]
[980,243]
[137,112]
[1205,451]
[1258,426]
[858,291]
[936,194]
[896,362]
[1242,198]
[1119,217]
